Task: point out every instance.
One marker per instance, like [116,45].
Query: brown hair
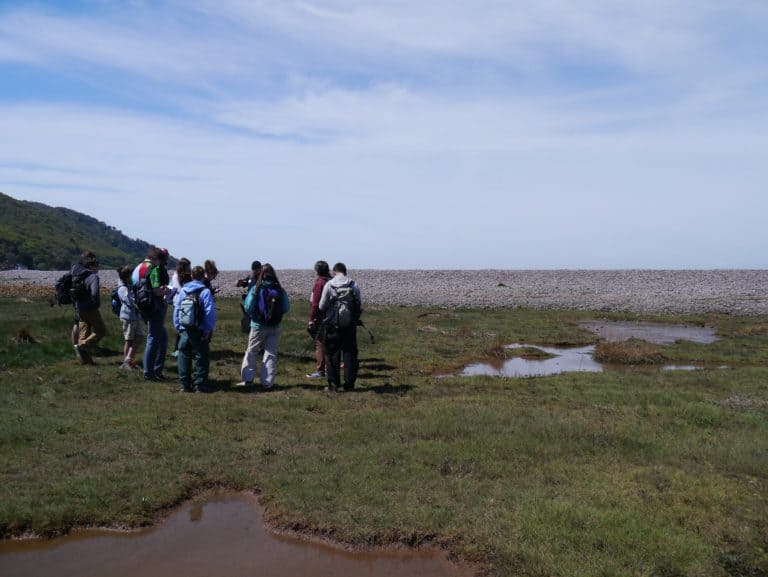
[184,270]
[157,253]
[211,272]
[268,273]
[124,274]
[89,260]
[321,268]
[198,273]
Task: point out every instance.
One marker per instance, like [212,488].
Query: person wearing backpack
[247,283]
[181,276]
[315,325]
[129,317]
[341,305]
[87,300]
[266,303]
[150,288]
[194,317]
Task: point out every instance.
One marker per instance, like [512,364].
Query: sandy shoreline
[742,292]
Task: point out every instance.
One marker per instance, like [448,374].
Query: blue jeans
[157,342]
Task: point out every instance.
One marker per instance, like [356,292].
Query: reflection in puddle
[565,360]
[223,536]
[661,334]
[681,368]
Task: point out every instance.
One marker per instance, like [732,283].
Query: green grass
[631,472]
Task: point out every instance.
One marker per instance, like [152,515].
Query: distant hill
[42,237]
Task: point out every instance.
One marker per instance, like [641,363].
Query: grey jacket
[128,307]
[337,282]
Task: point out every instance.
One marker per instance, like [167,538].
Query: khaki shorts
[132,330]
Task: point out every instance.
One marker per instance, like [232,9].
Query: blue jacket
[206,300]
[249,301]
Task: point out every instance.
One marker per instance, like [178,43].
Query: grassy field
[629,472]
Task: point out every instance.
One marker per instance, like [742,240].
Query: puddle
[225,535]
[693,367]
[652,332]
[681,368]
[565,360]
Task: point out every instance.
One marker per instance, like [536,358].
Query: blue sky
[456,134]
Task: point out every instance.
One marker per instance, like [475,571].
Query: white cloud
[432,133]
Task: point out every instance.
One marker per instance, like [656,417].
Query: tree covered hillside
[37,236]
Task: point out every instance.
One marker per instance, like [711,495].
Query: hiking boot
[85,356]
[316,375]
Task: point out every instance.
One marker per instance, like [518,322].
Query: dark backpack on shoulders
[115,301]
[345,310]
[63,288]
[70,288]
[267,309]
[143,297]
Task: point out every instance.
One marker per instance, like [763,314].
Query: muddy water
[222,536]
[652,332]
[565,360]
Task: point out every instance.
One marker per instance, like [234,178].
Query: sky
[601,134]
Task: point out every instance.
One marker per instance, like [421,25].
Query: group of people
[145,292]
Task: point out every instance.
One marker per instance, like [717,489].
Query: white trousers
[268,340]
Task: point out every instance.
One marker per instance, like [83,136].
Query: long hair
[184,270]
[268,273]
[211,272]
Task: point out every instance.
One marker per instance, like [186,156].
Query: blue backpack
[115,301]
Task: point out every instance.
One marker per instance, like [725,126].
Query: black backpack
[63,288]
[345,308]
[143,297]
[70,288]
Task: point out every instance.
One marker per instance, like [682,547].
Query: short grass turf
[628,472]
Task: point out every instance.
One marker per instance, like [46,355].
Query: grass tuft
[631,352]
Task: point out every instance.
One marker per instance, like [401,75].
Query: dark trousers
[338,343]
[192,347]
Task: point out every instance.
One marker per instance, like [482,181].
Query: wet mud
[224,535]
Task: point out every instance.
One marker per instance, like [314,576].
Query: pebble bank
[739,292]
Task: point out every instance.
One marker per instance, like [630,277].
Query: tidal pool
[564,360]
[224,535]
[658,333]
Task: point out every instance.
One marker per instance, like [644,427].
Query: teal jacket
[250,298]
